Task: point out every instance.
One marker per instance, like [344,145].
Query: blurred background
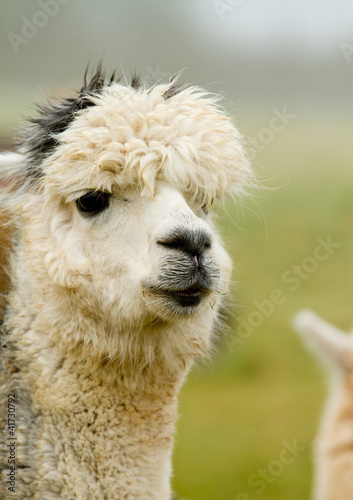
[285,72]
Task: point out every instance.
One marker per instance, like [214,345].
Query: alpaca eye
[93,202]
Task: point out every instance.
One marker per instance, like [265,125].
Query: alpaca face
[135,258]
[127,189]
[119,182]
[161,256]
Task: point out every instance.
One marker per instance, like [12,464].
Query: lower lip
[187,299]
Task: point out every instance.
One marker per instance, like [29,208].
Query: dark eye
[93,203]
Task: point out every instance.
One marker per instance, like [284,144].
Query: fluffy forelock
[133,136]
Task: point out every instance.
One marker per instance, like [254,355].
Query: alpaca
[334,445]
[117,280]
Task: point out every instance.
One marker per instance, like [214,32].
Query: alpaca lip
[185,297]
[188,297]
[191,290]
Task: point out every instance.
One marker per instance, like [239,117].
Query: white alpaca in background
[118,275]
[334,445]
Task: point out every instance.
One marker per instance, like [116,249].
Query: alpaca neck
[99,433]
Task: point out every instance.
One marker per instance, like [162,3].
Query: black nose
[192,242]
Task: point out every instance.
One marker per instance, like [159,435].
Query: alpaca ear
[13,181]
[329,342]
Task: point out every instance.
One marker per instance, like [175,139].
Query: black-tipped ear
[135,81]
[39,138]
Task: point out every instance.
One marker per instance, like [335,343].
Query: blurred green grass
[236,412]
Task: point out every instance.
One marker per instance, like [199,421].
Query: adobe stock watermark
[260,479]
[347,51]
[223,7]
[279,121]
[292,278]
[30,27]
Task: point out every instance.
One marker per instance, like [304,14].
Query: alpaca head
[113,188]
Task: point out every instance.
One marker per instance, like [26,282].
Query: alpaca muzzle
[184,278]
